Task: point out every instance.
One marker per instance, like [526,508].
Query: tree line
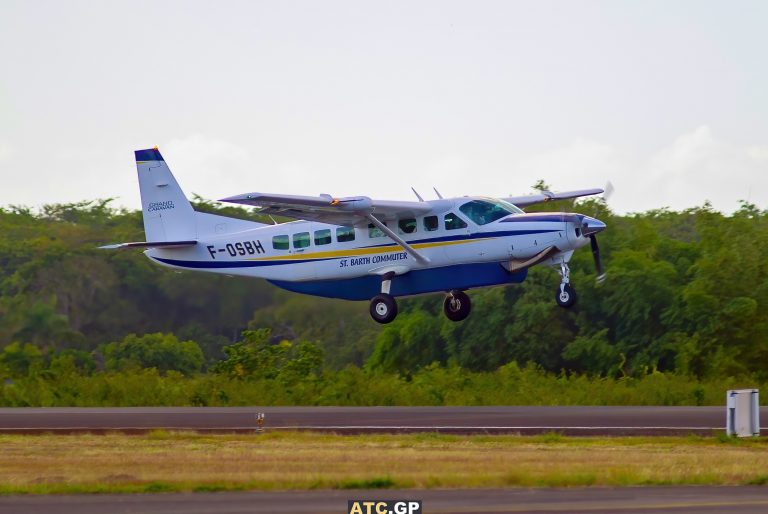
[686,297]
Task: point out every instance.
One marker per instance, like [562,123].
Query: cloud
[692,169]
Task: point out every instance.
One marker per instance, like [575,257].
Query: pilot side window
[407,226]
[323,237]
[482,212]
[300,240]
[280,242]
[345,234]
[374,231]
[430,223]
[452,222]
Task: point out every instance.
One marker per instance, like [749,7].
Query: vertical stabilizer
[168,215]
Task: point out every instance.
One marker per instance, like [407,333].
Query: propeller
[596,255]
[608,191]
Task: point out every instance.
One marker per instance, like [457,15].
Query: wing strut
[397,239]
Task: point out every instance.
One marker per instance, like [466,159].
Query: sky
[665,99]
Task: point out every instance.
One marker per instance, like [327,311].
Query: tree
[255,356]
[163,352]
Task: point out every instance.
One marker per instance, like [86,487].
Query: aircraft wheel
[383,308]
[567,297]
[457,305]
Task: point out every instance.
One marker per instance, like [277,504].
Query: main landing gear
[456,305]
[383,306]
[566,294]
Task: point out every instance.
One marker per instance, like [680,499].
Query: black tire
[567,297]
[457,306]
[383,308]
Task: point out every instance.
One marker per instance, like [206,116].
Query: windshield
[488,210]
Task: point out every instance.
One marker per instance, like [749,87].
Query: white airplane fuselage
[316,258]
[359,248]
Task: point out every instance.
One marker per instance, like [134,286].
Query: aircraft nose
[591,226]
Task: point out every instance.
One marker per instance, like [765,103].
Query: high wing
[350,211]
[327,209]
[548,196]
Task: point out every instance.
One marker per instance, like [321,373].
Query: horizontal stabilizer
[153,244]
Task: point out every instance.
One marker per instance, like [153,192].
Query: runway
[629,500]
[459,420]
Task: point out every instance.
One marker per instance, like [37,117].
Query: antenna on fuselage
[437,193]
[417,194]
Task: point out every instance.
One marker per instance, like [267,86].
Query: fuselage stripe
[351,252]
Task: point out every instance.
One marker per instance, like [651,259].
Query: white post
[742,413]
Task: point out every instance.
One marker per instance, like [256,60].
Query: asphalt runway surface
[629,500]
[488,420]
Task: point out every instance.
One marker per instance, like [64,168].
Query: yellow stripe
[353,252]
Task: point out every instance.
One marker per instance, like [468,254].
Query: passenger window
[430,223]
[301,240]
[452,222]
[407,226]
[345,234]
[323,237]
[374,231]
[280,242]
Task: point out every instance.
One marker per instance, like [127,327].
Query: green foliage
[342,329]
[59,291]
[408,343]
[686,291]
[352,386]
[19,360]
[682,316]
[256,357]
[163,352]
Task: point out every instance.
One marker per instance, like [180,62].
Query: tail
[168,215]
[169,219]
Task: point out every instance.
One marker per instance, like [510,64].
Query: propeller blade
[608,191]
[596,255]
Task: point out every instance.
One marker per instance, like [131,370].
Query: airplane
[358,248]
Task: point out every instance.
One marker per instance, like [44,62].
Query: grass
[165,461]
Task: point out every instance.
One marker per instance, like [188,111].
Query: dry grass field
[161,461]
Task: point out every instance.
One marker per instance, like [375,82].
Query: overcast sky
[668,100]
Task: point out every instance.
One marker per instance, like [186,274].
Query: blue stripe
[152,154]
[552,218]
[485,235]
[257,264]
[476,235]
[234,264]
[460,276]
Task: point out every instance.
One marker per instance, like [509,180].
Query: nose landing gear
[457,305]
[566,294]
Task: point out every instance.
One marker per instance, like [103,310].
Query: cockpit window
[483,212]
